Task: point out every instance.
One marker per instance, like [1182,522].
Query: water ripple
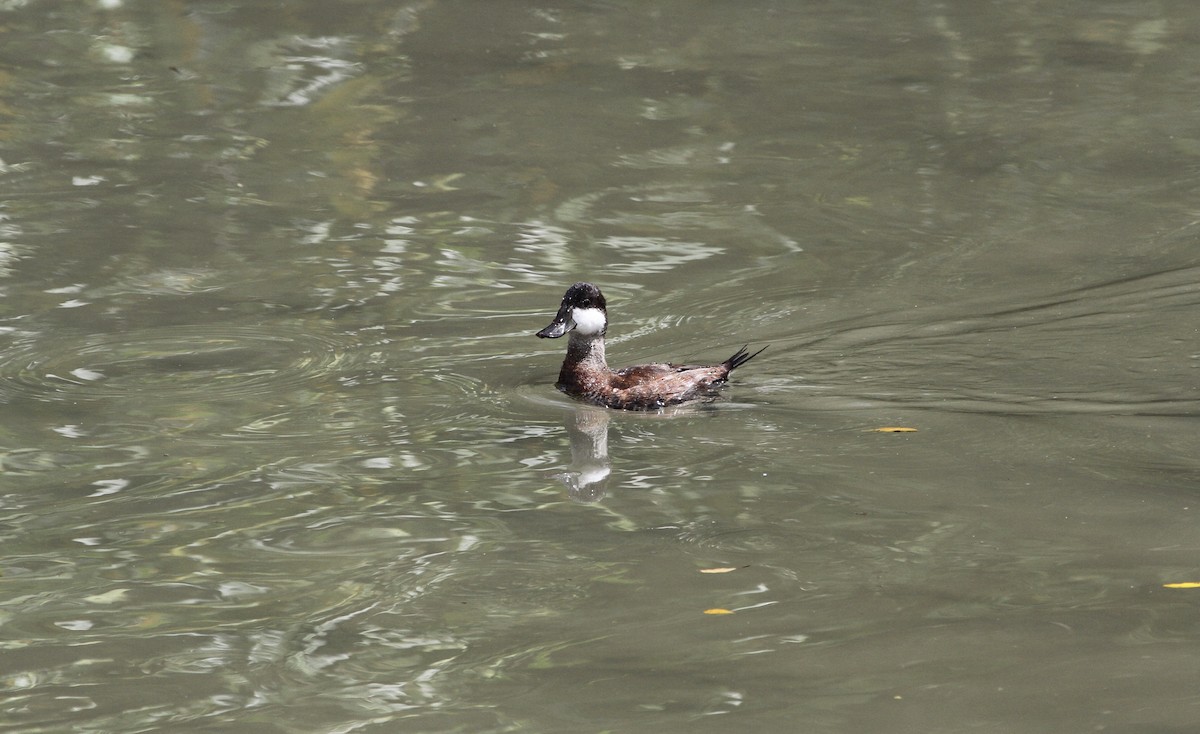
[1123,346]
[209,362]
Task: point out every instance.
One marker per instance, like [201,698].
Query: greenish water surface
[280,452]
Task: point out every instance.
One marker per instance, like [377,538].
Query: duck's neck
[586,352]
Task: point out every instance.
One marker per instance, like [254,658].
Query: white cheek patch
[588,321]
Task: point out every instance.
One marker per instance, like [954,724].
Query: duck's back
[649,386]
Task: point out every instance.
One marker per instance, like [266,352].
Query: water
[279,451]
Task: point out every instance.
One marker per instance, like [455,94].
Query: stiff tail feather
[741,357]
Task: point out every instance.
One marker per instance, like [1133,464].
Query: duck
[586,376]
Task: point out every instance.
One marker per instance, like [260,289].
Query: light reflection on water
[280,452]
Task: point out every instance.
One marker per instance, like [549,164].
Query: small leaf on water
[718,570]
[894,429]
[718,611]
[1183,585]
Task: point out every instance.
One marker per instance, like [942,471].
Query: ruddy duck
[585,374]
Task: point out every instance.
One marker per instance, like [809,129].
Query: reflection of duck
[586,479]
[585,374]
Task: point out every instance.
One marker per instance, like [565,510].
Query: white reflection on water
[305,68]
[646,255]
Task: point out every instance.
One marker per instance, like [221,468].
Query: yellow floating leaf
[718,570]
[718,611]
[894,429]
[1183,585]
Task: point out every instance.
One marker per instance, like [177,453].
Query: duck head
[583,310]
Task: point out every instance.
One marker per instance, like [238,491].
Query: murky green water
[279,451]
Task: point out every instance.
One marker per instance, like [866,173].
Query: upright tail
[741,357]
